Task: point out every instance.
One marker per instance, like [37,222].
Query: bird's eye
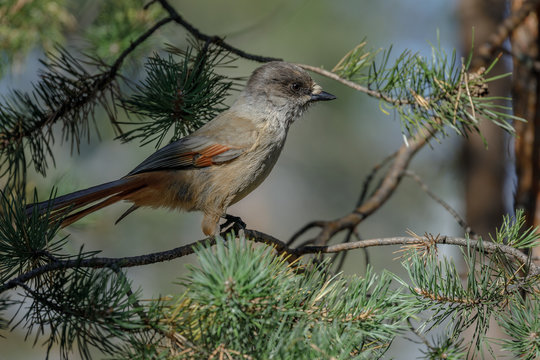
[295,86]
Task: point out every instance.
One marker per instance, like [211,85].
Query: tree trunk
[526,93]
[485,169]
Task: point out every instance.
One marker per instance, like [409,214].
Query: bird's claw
[232,223]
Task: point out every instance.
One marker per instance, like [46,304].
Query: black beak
[322,96]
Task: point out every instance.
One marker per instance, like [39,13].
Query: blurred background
[328,153]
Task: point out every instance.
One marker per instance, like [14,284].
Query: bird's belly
[252,173]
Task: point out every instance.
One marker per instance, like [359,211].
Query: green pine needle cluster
[492,285]
[522,326]
[513,232]
[181,92]
[437,91]
[81,309]
[25,241]
[445,348]
[244,301]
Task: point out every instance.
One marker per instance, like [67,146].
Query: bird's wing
[188,153]
[221,140]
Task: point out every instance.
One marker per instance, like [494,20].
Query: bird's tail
[74,206]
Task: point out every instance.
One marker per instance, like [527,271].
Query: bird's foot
[232,223]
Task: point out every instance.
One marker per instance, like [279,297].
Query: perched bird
[215,166]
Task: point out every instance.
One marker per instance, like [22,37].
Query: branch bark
[280,246]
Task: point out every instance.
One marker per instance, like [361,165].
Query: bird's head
[285,89]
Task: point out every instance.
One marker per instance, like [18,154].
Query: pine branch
[485,292]
[363,89]
[67,93]
[252,304]
[179,94]
[84,308]
[522,326]
[437,92]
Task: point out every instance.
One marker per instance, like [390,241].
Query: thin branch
[211,39]
[386,188]
[487,246]
[370,177]
[308,226]
[131,261]
[353,85]
[280,247]
[441,202]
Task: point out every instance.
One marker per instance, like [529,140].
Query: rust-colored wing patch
[205,156]
[188,153]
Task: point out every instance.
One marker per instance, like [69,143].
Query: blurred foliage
[118,23]
[44,24]
[27,24]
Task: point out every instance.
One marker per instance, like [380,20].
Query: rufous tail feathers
[77,205]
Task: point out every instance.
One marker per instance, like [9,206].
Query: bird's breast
[254,166]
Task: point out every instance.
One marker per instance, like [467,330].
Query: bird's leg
[233,222]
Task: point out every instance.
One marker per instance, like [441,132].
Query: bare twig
[441,202]
[370,177]
[379,197]
[487,246]
[353,230]
[308,226]
[353,85]
[211,39]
